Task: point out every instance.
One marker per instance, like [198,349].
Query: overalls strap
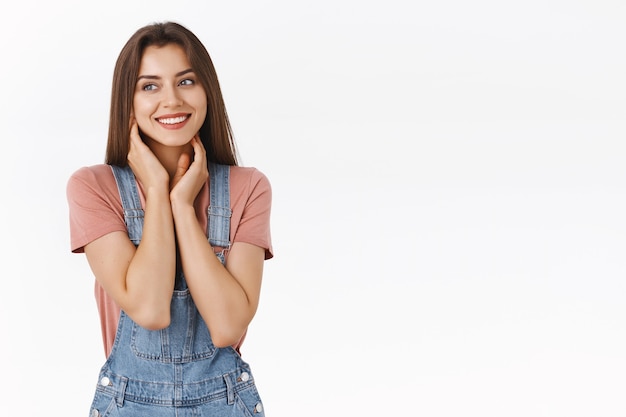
[219,211]
[133,213]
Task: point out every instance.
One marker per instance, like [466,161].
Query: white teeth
[173,120]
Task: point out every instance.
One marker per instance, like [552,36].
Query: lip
[173,126]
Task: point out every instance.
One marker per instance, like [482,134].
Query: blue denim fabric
[177,371]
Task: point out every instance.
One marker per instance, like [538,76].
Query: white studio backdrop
[449,199]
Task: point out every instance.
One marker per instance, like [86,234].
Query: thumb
[181,167]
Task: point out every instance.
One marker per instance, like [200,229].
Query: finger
[134,129]
[183,163]
[135,141]
[198,149]
[199,142]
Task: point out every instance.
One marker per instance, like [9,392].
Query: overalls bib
[176,371]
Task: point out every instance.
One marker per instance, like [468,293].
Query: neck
[169,155]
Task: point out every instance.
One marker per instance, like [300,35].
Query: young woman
[175,233]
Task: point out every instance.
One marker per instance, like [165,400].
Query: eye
[148,87]
[187,81]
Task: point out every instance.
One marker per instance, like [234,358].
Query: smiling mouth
[173,120]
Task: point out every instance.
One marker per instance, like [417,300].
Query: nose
[172,97]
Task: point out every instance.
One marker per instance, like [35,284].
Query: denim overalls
[177,371]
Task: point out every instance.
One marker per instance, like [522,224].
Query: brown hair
[216,133]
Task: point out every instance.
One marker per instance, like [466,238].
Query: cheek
[201,105]
[143,112]
[202,110]
[203,113]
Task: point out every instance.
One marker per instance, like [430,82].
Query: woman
[175,233]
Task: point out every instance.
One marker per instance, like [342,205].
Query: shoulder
[90,174]
[249,178]
[91,179]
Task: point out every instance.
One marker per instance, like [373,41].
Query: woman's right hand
[145,165]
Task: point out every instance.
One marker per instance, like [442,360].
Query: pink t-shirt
[95,210]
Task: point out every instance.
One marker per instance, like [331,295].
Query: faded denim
[177,371]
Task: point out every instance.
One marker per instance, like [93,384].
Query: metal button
[95,413]
[105,381]
[258,408]
[244,376]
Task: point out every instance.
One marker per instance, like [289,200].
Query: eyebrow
[156,77]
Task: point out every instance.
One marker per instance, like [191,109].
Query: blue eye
[187,81]
[148,87]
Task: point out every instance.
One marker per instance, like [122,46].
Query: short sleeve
[95,208]
[252,195]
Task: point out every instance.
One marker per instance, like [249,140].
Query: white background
[449,200]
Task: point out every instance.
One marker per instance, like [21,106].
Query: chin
[169,140]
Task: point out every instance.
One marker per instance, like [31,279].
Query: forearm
[219,297]
[151,272]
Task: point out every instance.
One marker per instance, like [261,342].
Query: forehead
[163,60]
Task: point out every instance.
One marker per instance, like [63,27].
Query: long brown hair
[216,133]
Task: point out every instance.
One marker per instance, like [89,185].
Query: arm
[226,297]
[141,280]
